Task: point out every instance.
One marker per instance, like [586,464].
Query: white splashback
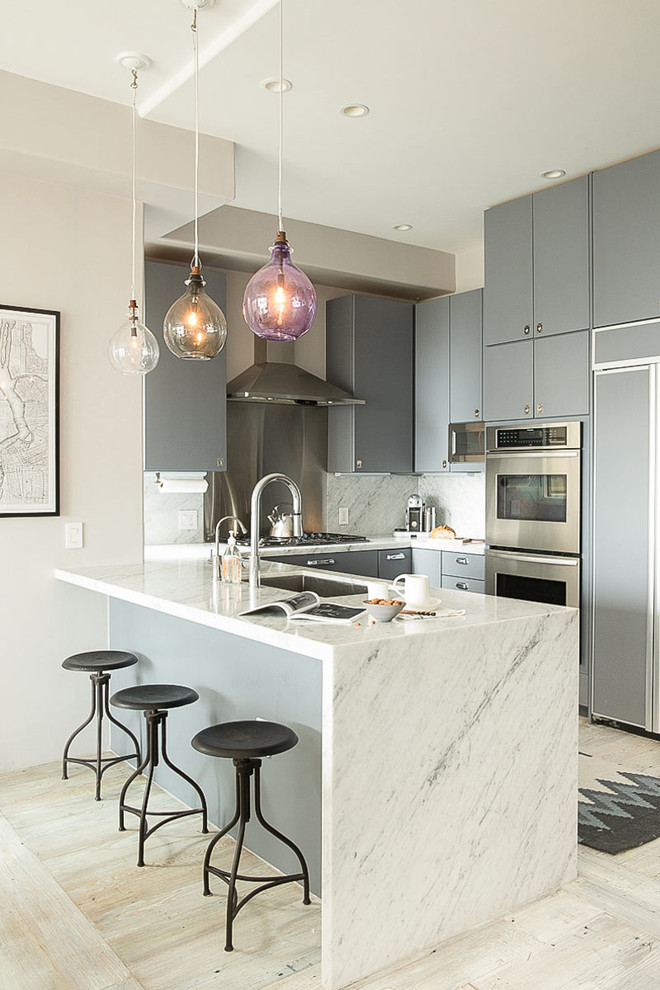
[376,503]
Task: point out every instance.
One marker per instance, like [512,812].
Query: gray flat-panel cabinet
[432,385]
[537,264]
[448,381]
[626,241]
[393,562]
[465,347]
[428,562]
[362,562]
[623,595]
[508,304]
[509,381]
[185,411]
[369,351]
[536,379]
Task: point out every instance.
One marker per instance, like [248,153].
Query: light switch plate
[343,516]
[73,536]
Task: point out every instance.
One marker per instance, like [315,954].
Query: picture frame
[29,411]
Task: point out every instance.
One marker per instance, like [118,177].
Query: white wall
[470,268]
[67,249]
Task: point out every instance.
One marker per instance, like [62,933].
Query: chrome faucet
[255,521]
[216,559]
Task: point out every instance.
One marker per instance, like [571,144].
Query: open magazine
[308,605]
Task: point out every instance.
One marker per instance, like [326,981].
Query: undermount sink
[326,587]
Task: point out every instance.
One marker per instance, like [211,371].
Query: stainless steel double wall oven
[533,481]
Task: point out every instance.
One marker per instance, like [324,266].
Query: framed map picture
[29,412]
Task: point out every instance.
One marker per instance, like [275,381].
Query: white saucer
[424,606]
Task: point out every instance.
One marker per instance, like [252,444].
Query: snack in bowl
[383,609]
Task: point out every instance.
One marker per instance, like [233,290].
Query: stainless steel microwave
[467,443]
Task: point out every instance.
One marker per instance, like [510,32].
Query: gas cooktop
[306,540]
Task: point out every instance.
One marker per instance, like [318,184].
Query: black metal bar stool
[245,742]
[154,700]
[99,662]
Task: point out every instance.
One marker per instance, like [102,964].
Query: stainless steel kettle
[281,523]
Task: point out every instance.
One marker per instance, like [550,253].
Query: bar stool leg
[120,725]
[73,735]
[243,772]
[214,841]
[279,835]
[193,783]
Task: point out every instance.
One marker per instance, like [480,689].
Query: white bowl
[383,613]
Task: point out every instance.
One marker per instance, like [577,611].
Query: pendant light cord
[134,86]
[196,262]
[281,127]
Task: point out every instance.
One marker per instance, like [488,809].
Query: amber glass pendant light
[279,302]
[133,349]
[195,327]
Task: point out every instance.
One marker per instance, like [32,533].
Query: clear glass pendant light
[279,301]
[133,349]
[195,327]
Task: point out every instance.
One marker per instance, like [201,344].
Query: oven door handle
[531,452]
[533,558]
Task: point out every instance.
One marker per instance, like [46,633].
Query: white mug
[415,588]
[378,589]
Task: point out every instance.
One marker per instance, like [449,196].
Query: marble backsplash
[376,505]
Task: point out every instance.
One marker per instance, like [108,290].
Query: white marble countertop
[186,589]
[183,551]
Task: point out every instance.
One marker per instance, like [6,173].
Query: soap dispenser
[231,562]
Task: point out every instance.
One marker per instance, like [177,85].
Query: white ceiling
[470,99]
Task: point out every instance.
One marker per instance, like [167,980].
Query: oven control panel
[566,435]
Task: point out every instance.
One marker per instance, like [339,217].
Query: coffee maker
[415,514]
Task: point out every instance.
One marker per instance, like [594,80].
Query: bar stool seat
[99,663]
[246,742]
[155,700]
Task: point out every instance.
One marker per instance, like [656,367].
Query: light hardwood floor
[75,912]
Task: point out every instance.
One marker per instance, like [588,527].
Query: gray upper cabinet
[534,379]
[432,385]
[185,401]
[448,352]
[537,264]
[626,241]
[465,347]
[369,352]
[508,305]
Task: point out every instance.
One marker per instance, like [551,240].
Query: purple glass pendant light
[279,301]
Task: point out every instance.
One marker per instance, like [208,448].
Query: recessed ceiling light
[355,110]
[273,85]
[402,226]
[553,173]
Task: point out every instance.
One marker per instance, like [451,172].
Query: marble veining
[449,756]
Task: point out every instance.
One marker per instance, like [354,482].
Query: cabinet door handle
[358,463]
[476,413]
[539,408]
[526,410]
[462,586]
[462,560]
[526,329]
[444,464]
[395,556]
[316,562]
[539,328]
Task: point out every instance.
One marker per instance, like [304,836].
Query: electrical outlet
[73,536]
[343,516]
[187,518]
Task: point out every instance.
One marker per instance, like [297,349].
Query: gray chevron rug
[617,809]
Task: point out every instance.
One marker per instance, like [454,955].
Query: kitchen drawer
[464,565]
[393,562]
[364,562]
[464,584]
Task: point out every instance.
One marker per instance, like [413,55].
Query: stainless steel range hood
[278,382]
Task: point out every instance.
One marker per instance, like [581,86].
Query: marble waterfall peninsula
[434,785]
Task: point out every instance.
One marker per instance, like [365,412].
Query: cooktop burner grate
[307,539]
